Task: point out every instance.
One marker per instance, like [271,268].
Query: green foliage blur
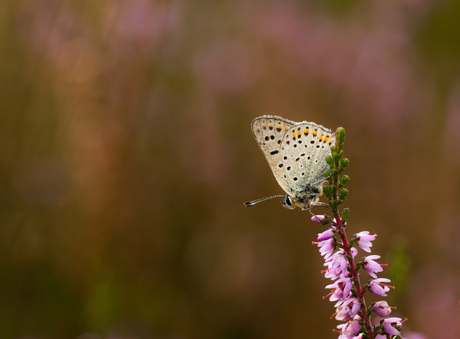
[126,155]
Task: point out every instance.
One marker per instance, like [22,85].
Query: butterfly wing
[269,132]
[304,149]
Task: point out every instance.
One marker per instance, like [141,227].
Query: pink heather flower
[318,218]
[372,266]
[326,235]
[326,247]
[350,329]
[381,308]
[347,308]
[365,240]
[337,265]
[378,287]
[340,288]
[390,325]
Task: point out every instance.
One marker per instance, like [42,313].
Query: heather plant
[302,157]
[347,291]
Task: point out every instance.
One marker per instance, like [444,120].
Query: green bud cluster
[337,163]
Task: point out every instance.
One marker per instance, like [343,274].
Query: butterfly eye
[287,202]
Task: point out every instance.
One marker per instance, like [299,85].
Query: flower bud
[318,218]
[381,308]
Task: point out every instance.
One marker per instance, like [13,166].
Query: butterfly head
[305,202]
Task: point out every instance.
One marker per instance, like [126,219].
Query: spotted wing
[304,149]
[269,132]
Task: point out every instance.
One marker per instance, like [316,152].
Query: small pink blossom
[378,287]
[326,235]
[390,325]
[326,247]
[372,266]
[365,240]
[349,329]
[337,265]
[381,308]
[347,308]
[340,288]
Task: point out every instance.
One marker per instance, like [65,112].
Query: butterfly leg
[320,204]
[312,203]
[315,203]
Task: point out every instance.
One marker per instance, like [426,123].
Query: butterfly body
[296,153]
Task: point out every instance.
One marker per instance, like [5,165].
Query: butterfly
[296,153]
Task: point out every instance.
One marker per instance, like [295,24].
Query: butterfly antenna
[253,202]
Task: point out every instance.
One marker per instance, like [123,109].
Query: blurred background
[126,154]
